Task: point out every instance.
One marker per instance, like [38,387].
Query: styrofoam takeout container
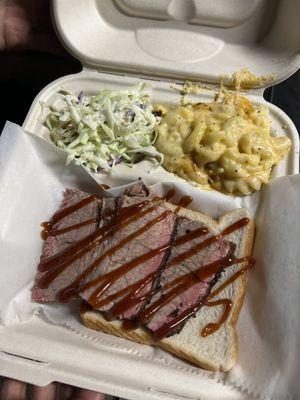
[119,43]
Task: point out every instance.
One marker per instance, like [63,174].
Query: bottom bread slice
[217,351]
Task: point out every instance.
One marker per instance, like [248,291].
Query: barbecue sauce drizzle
[59,262]
[103,186]
[213,327]
[49,231]
[71,209]
[58,216]
[56,264]
[184,201]
[188,281]
[170,193]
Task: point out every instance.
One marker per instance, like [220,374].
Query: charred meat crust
[197,306]
[157,234]
[156,280]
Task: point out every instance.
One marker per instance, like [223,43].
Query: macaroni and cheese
[226,144]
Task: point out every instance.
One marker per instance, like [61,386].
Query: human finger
[13,390]
[64,392]
[42,36]
[41,393]
[83,394]
[27,25]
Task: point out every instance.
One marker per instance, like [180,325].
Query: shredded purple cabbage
[80,97]
[115,161]
[157,113]
[130,114]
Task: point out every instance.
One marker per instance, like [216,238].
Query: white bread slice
[217,351]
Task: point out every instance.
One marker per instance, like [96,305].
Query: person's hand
[30,52]
[16,390]
[26,25]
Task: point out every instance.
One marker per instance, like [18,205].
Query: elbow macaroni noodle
[225,145]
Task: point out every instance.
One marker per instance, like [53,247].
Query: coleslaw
[113,127]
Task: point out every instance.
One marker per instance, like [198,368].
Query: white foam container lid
[155,40]
[197,39]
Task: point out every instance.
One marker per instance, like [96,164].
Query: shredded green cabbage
[104,130]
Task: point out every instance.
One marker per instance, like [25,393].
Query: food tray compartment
[91,82]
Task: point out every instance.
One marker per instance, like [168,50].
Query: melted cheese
[226,144]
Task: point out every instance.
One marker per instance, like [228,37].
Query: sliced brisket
[152,229]
[131,258]
[187,296]
[98,212]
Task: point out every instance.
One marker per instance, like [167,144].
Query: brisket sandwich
[150,271]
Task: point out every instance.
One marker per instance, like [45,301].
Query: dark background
[22,76]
